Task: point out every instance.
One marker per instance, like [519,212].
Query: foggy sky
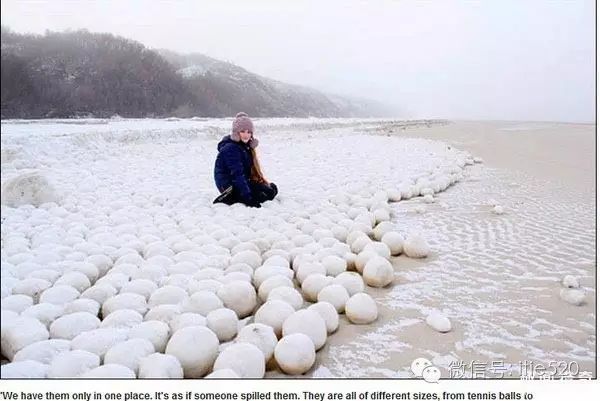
[494,59]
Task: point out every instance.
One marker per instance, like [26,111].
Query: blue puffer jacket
[232,167]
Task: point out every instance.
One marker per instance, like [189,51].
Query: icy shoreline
[128,195]
[124,199]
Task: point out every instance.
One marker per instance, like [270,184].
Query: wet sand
[496,277]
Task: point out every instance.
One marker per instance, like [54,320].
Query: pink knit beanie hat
[243,123]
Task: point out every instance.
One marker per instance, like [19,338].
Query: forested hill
[75,74]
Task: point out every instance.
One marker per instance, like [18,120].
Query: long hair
[256,174]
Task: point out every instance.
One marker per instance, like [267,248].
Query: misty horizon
[461,61]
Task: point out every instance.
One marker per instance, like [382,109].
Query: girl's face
[245,135]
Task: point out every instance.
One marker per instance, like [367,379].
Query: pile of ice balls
[153,290]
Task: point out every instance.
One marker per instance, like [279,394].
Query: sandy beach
[497,277]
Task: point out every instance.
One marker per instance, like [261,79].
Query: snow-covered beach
[133,199]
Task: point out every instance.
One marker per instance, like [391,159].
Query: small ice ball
[339,232]
[116,280]
[378,272]
[202,302]
[573,296]
[46,313]
[244,358]
[394,241]
[98,341]
[271,283]
[163,313]
[144,287]
[302,239]
[99,292]
[381,215]
[155,331]
[336,295]
[129,353]
[360,261]
[160,366]
[273,313]
[329,314]
[88,269]
[302,258]
[24,370]
[334,265]
[224,323]
[149,272]
[169,294]
[394,195]
[124,301]
[109,371]
[328,242]
[21,332]
[31,287]
[207,285]
[359,244]
[239,296]
[17,303]
[70,326]
[287,294]
[276,252]
[570,282]
[439,322]
[230,277]
[313,284]
[295,353]
[196,348]
[43,351]
[382,228]
[406,191]
[123,318]
[239,267]
[379,248]
[353,236]
[260,335]
[70,364]
[267,271]
[83,305]
[45,274]
[186,320]
[498,209]
[277,260]
[102,262]
[340,249]
[415,246]
[251,258]
[309,323]
[351,281]
[244,246]
[361,309]
[306,269]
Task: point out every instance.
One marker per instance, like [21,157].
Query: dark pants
[260,193]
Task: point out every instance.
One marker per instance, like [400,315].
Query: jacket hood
[226,139]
